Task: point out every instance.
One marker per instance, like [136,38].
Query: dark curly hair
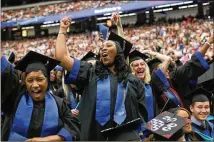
[121,68]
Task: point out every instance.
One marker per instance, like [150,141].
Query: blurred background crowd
[54,9]
[178,40]
[176,29]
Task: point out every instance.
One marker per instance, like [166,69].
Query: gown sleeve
[60,93]
[190,70]
[9,85]
[71,129]
[79,74]
[141,100]
[158,85]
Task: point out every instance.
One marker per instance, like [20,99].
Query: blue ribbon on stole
[21,121]
[103,102]
[73,102]
[169,93]
[172,97]
[120,110]
[150,110]
[149,101]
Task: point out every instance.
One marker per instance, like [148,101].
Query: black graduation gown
[181,76]
[12,91]
[134,103]
[60,93]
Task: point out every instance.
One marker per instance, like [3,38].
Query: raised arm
[117,21]
[166,60]
[207,44]
[193,68]
[9,85]
[61,52]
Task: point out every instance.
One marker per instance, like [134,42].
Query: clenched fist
[75,112]
[116,19]
[65,23]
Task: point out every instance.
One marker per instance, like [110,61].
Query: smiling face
[138,68]
[108,53]
[52,76]
[200,110]
[58,75]
[36,84]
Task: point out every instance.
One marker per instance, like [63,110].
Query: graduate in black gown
[52,84]
[200,107]
[179,77]
[31,112]
[111,96]
[58,72]
[140,69]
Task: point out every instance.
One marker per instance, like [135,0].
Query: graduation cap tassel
[65,89]
[47,63]
[164,105]
[124,44]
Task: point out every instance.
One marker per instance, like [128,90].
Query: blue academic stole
[103,102]
[205,134]
[150,109]
[72,100]
[22,118]
[169,93]
[149,101]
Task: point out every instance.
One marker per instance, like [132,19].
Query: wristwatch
[64,33]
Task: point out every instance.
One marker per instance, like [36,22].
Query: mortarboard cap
[199,95]
[32,58]
[131,125]
[58,68]
[125,45]
[153,64]
[89,56]
[104,30]
[166,126]
[136,55]
[11,57]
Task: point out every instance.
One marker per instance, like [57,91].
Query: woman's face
[58,75]
[108,53]
[37,85]
[138,67]
[52,76]
[182,113]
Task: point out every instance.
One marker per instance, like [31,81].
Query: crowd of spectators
[178,40]
[53,9]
